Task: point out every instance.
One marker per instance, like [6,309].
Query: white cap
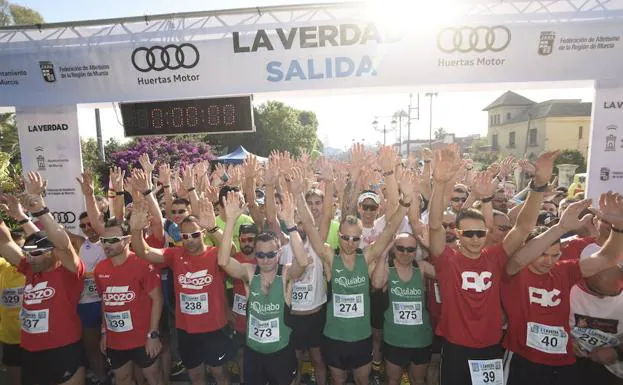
[369,195]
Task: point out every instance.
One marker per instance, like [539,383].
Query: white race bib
[486,372]
[407,313]
[302,294]
[89,291]
[240,304]
[263,332]
[194,304]
[12,297]
[547,339]
[348,305]
[589,339]
[35,321]
[437,293]
[119,322]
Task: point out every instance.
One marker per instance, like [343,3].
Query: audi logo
[159,58]
[474,39]
[64,217]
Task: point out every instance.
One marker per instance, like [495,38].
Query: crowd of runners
[376,270]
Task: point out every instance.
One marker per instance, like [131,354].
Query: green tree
[571,157]
[13,14]
[440,133]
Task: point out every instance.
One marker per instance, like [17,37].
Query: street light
[430,129]
[384,130]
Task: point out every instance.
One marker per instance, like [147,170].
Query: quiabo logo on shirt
[350,282]
[38,293]
[265,309]
[406,292]
[118,295]
[196,280]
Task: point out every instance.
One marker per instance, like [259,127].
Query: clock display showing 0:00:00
[191,117]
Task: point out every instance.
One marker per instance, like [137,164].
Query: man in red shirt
[199,292]
[131,305]
[536,296]
[469,276]
[51,328]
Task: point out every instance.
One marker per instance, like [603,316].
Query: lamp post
[430,129]
[384,130]
[409,118]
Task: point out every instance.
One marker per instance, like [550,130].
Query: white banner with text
[50,144]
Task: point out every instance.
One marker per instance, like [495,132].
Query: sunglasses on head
[369,207]
[449,225]
[195,235]
[458,199]
[405,249]
[178,211]
[270,254]
[504,228]
[38,252]
[472,233]
[112,240]
[347,238]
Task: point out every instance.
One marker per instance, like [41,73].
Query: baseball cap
[369,195]
[547,219]
[248,228]
[38,240]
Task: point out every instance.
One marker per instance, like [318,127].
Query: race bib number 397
[486,372]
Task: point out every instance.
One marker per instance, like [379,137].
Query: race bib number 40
[194,304]
[12,297]
[547,339]
[348,306]
[35,321]
[407,313]
[119,322]
[240,304]
[263,332]
[302,294]
[486,372]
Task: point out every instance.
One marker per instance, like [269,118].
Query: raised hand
[507,165]
[610,209]
[147,166]
[426,154]
[297,181]
[139,218]
[569,219]
[409,184]
[484,184]
[201,169]
[211,193]
[164,174]
[287,209]
[32,202]
[34,183]
[251,168]
[544,166]
[447,163]
[357,156]
[526,166]
[421,233]
[271,172]
[10,205]
[116,176]
[387,159]
[86,183]
[188,178]
[206,214]
[233,205]
[140,181]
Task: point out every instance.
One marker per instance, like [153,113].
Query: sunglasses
[369,207]
[350,238]
[195,235]
[472,233]
[404,249]
[38,252]
[457,199]
[504,228]
[173,212]
[247,239]
[270,254]
[449,225]
[112,240]
[84,225]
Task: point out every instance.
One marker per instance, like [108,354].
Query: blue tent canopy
[238,156]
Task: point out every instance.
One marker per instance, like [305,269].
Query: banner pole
[100,141]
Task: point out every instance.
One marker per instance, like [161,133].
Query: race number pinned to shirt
[302,294]
[407,313]
[89,292]
[589,339]
[547,339]
[348,305]
[35,321]
[486,372]
[194,304]
[240,304]
[12,297]
[119,322]
[263,332]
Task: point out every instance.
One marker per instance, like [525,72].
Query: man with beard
[132,304]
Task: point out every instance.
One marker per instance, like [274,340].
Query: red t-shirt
[125,297]
[537,306]
[49,312]
[471,313]
[199,290]
[573,248]
[434,301]
[240,297]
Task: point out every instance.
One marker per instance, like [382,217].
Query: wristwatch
[153,334]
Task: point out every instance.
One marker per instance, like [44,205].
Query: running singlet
[125,297]
[309,291]
[471,314]
[91,254]
[11,292]
[239,307]
[199,290]
[49,316]
[537,307]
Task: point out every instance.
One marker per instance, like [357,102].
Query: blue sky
[342,117]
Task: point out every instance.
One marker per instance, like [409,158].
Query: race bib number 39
[35,321]
[486,372]
[240,304]
[263,332]
[407,313]
[12,297]
[302,294]
[348,306]
[119,322]
[547,339]
[194,304]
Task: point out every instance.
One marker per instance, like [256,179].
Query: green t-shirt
[220,223]
[332,236]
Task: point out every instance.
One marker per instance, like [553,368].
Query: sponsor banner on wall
[178,63]
[605,169]
[50,144]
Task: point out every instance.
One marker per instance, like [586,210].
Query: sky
[343,117]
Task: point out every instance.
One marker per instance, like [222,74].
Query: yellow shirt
[220,223]
[11,290]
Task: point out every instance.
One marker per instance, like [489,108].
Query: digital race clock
[189,116]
